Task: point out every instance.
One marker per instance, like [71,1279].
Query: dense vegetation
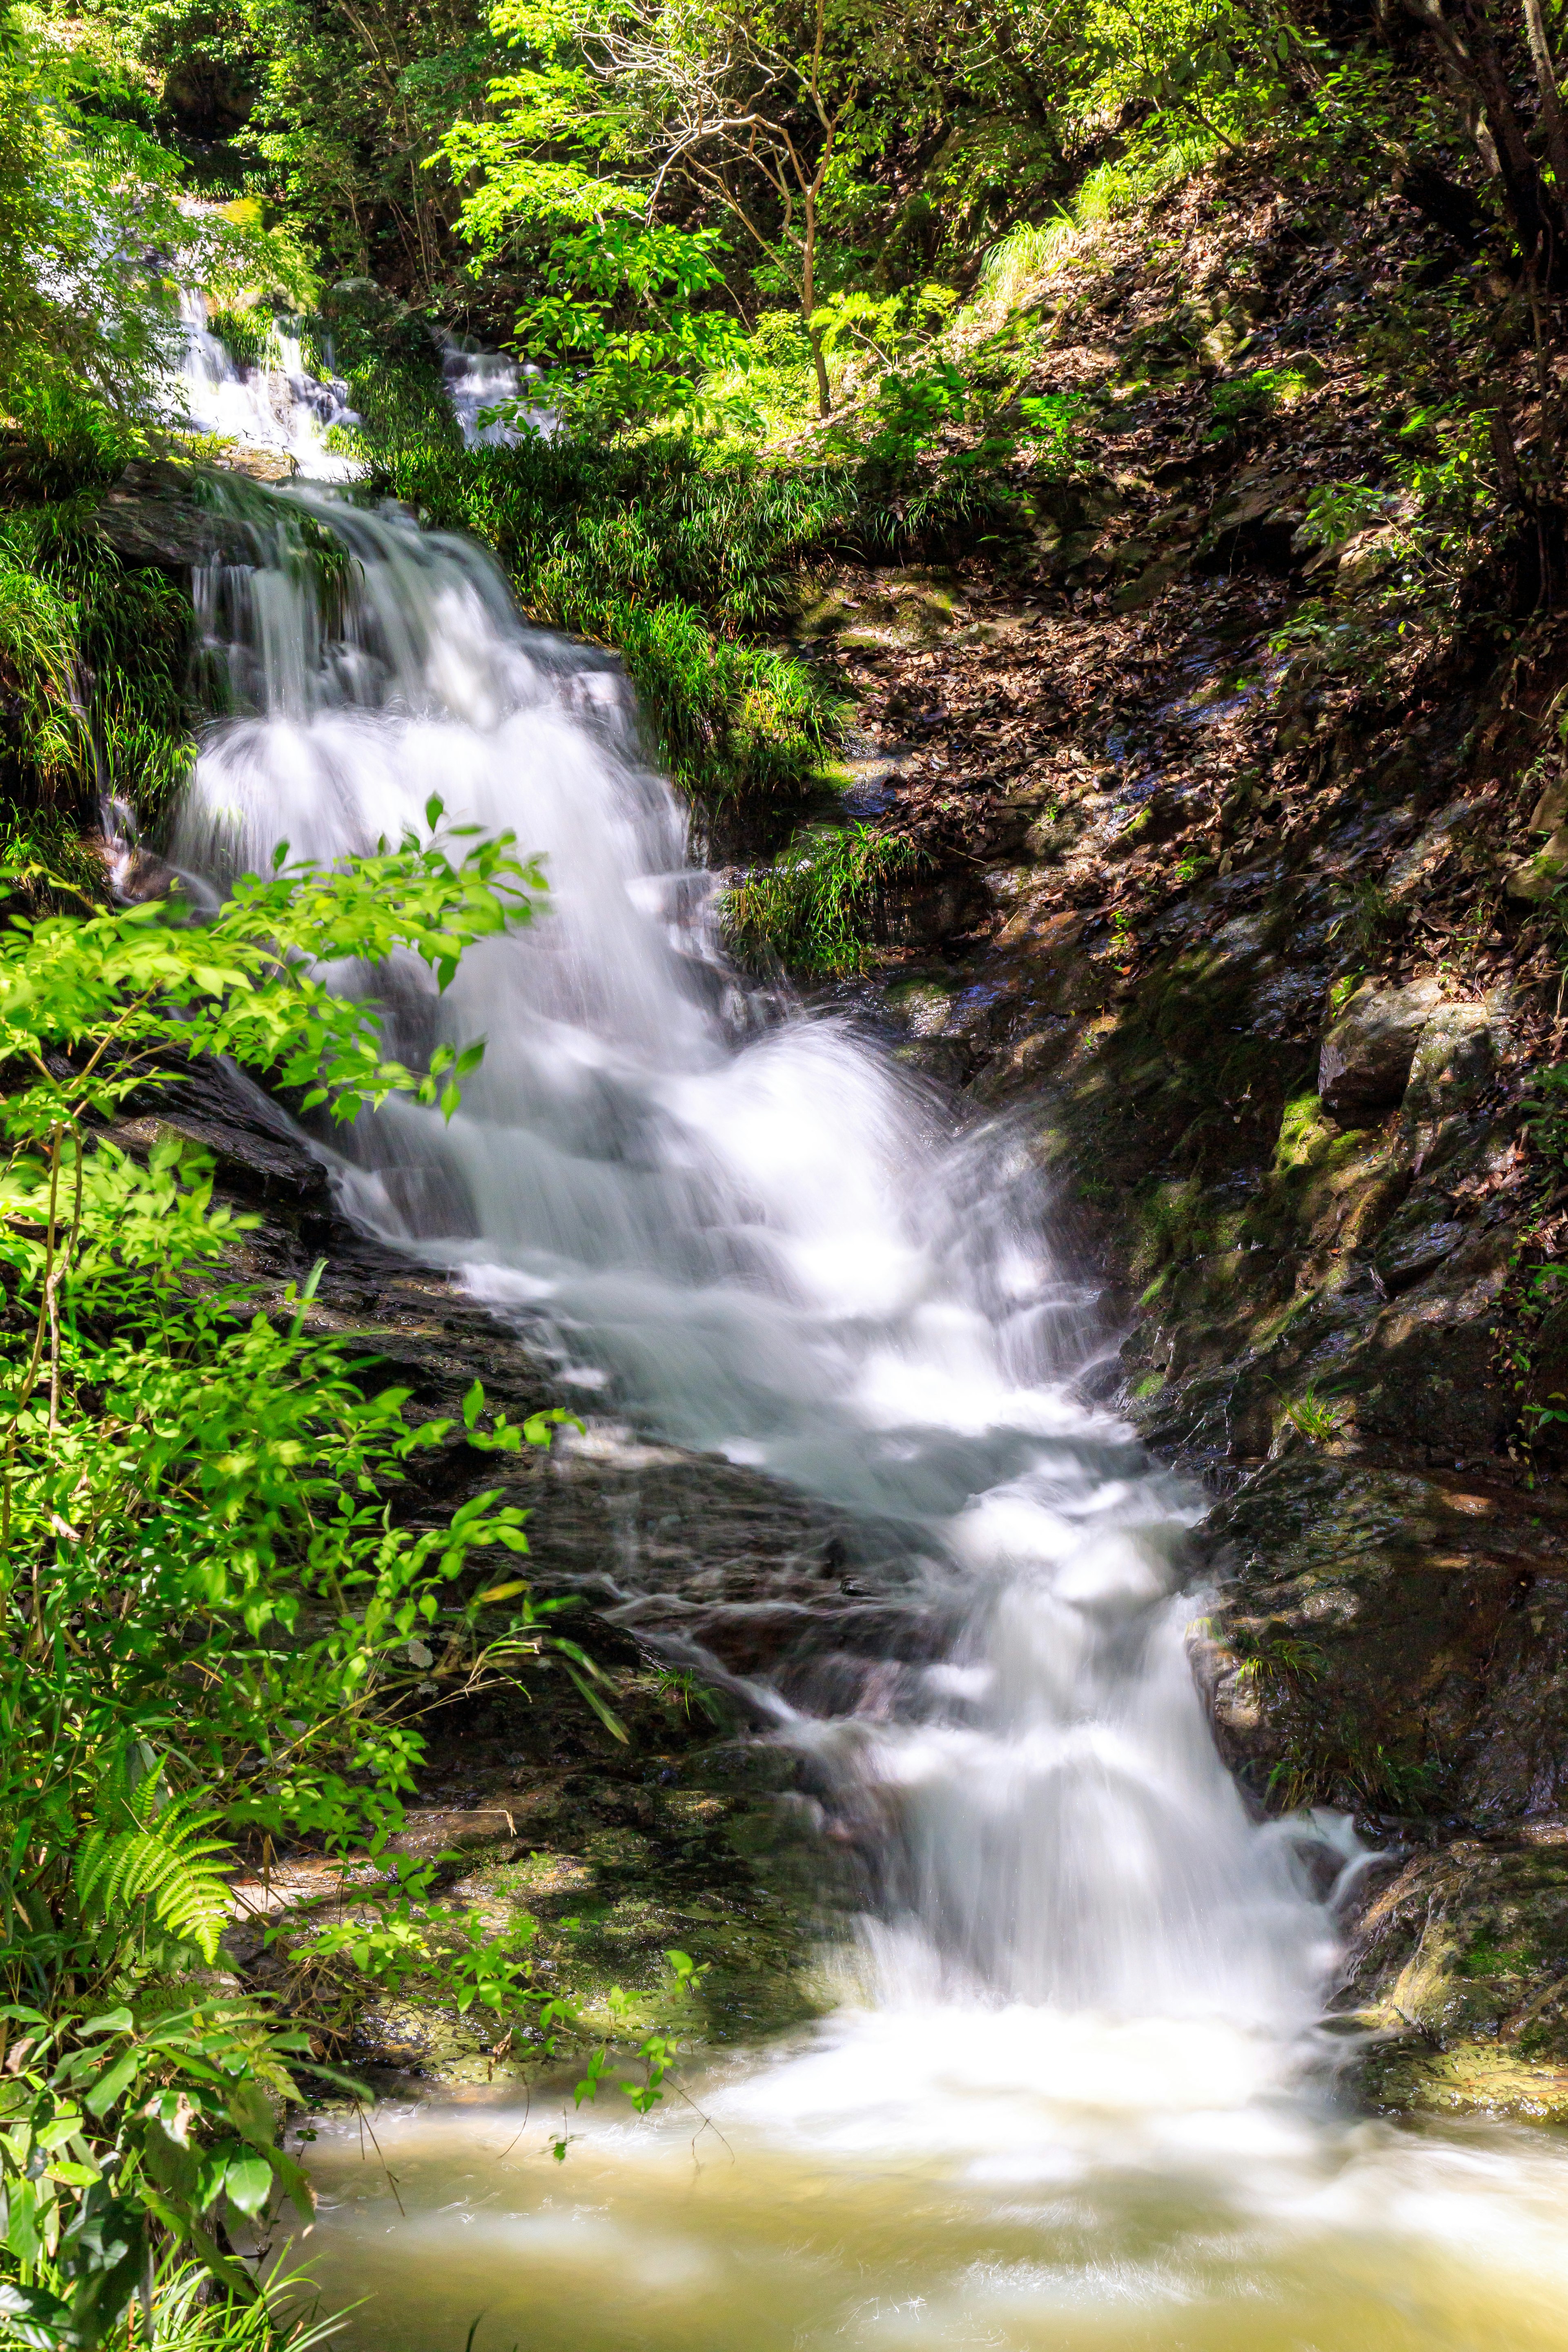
[795,277]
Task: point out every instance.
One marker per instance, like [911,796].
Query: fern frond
[163,1858]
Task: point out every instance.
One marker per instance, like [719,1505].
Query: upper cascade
[285,408]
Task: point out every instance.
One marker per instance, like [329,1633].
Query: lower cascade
[1076,2093]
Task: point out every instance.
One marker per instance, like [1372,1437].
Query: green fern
[150,1847]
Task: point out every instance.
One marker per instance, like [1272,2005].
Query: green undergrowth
[815,907]
[679,560]
[177,2310]
[94,662]
[217,1631]
[671,566]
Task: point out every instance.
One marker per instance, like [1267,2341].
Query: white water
[284,409]
[1067,2097]
[289,412]
[478,382]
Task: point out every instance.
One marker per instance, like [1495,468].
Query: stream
[1077,2091]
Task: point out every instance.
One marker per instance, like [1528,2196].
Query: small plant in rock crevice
[813,908]
[1316,1415]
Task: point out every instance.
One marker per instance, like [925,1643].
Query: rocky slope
[1240,849]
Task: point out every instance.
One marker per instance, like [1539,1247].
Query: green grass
[672,565]
[54,870]
[94,660]
[43,733]
[1315,1415]
[813,908]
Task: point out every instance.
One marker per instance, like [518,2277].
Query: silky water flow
[1074,2092]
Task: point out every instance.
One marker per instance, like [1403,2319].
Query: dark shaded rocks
[1366,1057]
[153,515]
[259,1154]
[1410,1248]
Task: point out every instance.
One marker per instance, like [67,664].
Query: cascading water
[1064,2101]
[284,409]
[479,382]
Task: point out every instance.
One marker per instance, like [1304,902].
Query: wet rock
[1460,1967]
[259,1153]
[1053,834]
[1534,878]
[883,608]
[1457,1055]
[153,515]
[1410,1247]
[1151,582]
[1366,1612]
[1253,526]
[1366,1057]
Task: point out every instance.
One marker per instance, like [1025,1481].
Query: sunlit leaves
[211,1620]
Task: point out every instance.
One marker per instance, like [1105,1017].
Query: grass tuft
[814,907]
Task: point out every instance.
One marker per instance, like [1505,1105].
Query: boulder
[159,514]
[1366,1057]
[1534,878]
[1367,557]
[1457,1057]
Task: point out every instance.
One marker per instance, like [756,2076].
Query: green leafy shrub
[246,335]
[216,1626]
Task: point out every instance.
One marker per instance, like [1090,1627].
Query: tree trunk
[823,391]
[1551,102]
[808,304]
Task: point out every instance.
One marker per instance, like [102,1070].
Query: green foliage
[811,908]
[93,661]
[132,631]
[38,657]
[248,336]
[214,1623]
[88,324]
[150,1847]
[1338,511]
[619,323]
[647,551]
[680,1687]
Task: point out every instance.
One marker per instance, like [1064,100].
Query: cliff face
[1237,898]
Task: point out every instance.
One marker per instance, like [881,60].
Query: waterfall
[284,408]
[479,380]
[759,1237]
[1062,2107]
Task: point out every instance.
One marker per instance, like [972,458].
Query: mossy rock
[1461,1968]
